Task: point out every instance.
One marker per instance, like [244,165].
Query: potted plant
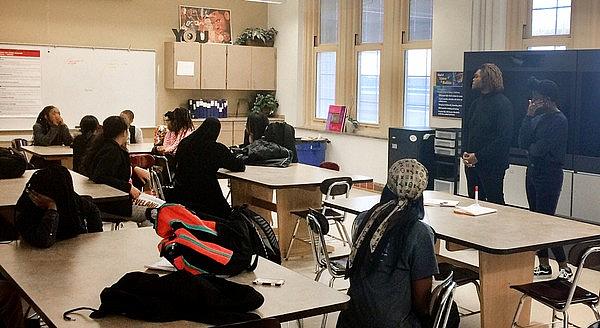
[265,103]
[256,36]
[351,124]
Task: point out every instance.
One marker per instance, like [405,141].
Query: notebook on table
[474,210]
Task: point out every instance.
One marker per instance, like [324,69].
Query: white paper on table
[474,210]
[440,202]
[185,68]
[148,201]
[163,265]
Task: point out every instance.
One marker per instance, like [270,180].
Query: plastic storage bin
[311,152]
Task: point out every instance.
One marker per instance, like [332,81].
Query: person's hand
[534,105]
[141,173]
[469,159]
[160,149]
[135,192]
[40,200]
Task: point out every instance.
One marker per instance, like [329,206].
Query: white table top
[13,188]
[65,151]
[296,175]
[509,230]
[73,272]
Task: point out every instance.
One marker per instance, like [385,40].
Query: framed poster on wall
[214,25]
[447,94]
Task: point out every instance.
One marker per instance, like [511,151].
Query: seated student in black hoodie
[199,157]
[50,210]
[89,125]
[107,161]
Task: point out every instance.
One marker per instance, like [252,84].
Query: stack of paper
[474,210]
[148,201]
[163,265]
[440,202]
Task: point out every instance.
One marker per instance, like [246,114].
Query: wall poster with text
[214,25]
[448,94]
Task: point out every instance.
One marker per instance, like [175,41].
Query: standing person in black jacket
[544,134]
[107,161]
[88,125]
[199,157]
[488,137]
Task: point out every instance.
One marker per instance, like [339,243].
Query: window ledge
[360,134]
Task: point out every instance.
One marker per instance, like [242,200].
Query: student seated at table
[88,126]
[199,157]
[179,126]
[392,259]
[134,133]
[107,161]
[256,124]
[49,130]
[49,209]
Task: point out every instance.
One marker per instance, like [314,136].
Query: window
[325,83]
[368,87]
[373,56]
[547,48]
[420,20]
[417,84]
[550,17]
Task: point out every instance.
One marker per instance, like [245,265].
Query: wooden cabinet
[232,129]
[219,67]
[180,57]
[239,68]
[586,188]
[213,66]
[264,68]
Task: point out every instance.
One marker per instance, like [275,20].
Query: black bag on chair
[12,165]
[284,135]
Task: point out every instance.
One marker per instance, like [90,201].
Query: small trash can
[311,151]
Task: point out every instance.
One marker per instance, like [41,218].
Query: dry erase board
[79,81]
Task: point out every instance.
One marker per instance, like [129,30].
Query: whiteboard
[92,81]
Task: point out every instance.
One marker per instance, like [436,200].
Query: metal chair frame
[442,296]
[564,310]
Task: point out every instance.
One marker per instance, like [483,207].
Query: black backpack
[263,237]
[12,164]
[284,135]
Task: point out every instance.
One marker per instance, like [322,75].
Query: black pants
[543,183]
[489,183]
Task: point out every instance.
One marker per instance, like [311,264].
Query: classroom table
[13,188]
[73,272]
[296,188]
[65,153]
[506,241]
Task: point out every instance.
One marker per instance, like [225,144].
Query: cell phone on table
[268,282]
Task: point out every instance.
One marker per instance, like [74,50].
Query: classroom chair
[463,276]
[442,297]
[335,265]
[560,294]
[147,161]
[16,145]
[330,188]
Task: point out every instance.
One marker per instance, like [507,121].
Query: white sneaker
[565,273]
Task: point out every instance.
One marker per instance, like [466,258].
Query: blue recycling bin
[311,152]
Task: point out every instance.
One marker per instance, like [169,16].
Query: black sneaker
[565,273]
[542,271]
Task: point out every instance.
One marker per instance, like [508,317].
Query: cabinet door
[586,188]
[514,186]
[213,66]
[264,68]
[238,132]
[564,201]
[239,68]
[182,65]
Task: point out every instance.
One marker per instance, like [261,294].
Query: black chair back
[336,186]
[17,143]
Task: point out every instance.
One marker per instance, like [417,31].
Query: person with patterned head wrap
[392,260]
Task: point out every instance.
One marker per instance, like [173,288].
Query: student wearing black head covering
[89,125]
[199,157]
[544,134]
[50,210]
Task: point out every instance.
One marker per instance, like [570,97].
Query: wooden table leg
[497,273]
[289,200]
[243,192]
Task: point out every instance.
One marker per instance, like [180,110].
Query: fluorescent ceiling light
[276,2]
